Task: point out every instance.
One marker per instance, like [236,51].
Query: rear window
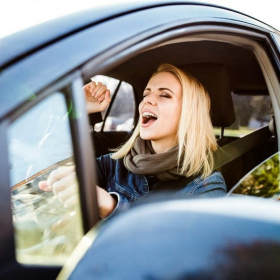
[251,113]
[120,115]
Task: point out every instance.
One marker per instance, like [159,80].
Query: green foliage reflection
[263,181]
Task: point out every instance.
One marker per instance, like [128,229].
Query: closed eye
[165,95]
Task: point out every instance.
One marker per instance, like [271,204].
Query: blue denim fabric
[129,187]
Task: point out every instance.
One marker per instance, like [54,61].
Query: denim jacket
[128,187]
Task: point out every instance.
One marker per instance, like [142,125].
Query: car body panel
[67,25]
[215,238]
[55,62]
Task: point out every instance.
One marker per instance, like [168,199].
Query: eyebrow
[161,89]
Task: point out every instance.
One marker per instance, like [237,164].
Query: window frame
[84,160]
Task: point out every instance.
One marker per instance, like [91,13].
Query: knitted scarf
[142,159]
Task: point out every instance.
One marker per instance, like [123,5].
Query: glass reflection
[46,230]
[263,181]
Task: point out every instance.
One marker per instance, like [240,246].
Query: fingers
[105,102]
[43,185]
[97,97]
[102,96]
[64,183]
[96,90]
[68,196]
[59,174]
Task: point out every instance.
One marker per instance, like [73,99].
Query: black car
[44,125]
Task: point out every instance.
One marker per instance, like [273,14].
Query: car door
[47,132]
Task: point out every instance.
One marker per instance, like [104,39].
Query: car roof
[18,45]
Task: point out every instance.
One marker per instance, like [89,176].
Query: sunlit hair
[196,137]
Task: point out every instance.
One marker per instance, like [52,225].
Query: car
[44,125]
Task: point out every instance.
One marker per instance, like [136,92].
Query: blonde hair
[196,137]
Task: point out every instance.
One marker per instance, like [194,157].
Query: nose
[149,99]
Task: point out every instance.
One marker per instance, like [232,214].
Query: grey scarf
[142,159]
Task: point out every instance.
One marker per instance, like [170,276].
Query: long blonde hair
[196,137]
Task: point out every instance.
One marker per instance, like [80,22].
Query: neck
[160,147]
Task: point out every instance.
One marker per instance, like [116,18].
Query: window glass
[121,115]
[262,181]
[47,229]
[251,113]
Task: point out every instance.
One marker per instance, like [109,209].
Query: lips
[148,118]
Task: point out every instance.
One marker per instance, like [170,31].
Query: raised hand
[97,97]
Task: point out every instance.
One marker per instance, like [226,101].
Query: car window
[122,111]
[262,181]
[39,142]
[251,113]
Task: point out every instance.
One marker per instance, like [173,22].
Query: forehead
[164,78]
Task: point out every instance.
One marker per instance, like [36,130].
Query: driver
[174,138]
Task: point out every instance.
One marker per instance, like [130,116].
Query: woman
[174,137]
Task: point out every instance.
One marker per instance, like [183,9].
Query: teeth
[148,114]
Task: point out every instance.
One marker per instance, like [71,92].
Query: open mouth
[148,117]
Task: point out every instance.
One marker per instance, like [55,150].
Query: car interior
[229,71]
[246,135]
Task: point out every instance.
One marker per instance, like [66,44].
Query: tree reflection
[263,181]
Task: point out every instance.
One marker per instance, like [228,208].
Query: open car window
[262,181]
[39,141]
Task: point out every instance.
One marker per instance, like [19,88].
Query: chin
[145,136]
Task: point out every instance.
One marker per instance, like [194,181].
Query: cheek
[175,115]
[175,121]
[140,106]
[179,113]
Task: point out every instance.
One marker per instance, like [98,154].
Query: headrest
[215,79]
